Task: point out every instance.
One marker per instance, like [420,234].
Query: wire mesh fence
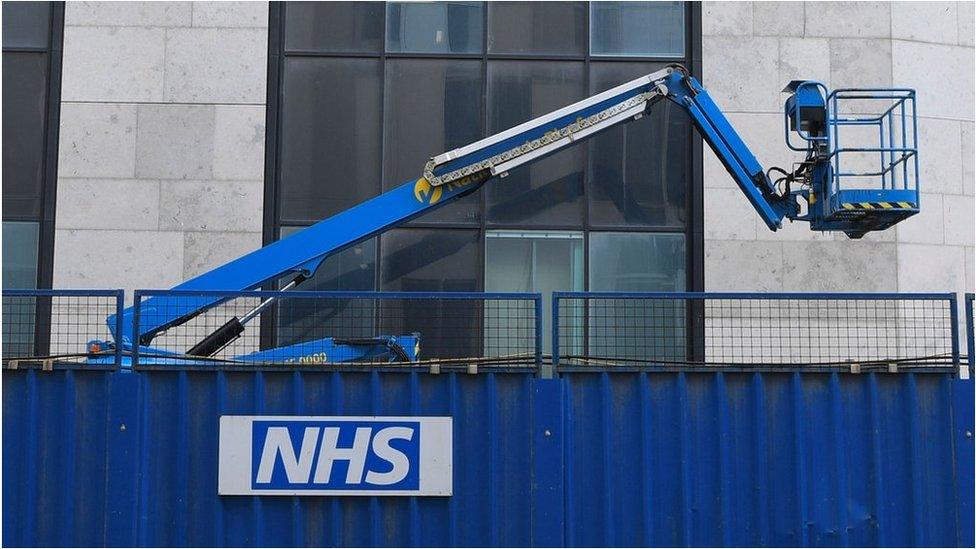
[341,328]
[51,327]
[970,333]
[850,331]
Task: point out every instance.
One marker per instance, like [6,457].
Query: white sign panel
[335,456]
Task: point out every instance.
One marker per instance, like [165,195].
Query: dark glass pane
[537,27]
[352,269]
[418,126]
[24,106]
[639,172]
[433,260]
[637,262]
[20,241]
[548,191]
[434,27]
[26,24]
[638,329]
[537,262]
[330,128]
[334,26]
[637,28]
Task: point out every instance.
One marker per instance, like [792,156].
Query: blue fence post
[119,307]
[954,315]
[555,329]
[544,372]
[136,309]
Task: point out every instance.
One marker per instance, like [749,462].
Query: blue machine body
[826,188]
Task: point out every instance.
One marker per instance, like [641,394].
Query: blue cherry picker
[851,189]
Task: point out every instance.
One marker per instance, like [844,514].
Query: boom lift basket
[870,140]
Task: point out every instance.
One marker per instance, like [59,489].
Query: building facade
[190,133]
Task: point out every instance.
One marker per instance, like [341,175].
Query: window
[334,27]
[550,191]
[445,116]
[352,269]
[646,29]
[32,33]
[637,262]
[330,159]
[434,27]
[639,172]
[538,28]
[363,94]
[534,261]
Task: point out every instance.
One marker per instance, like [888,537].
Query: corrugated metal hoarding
[593,458]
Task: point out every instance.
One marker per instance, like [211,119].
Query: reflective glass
[547,191]
[434,27]
[639,172]
[638,262]
[533,261]
[334,26]
[26,24]
[352,269]
[24,113]
[418,126]
[538,28]
[433,260]
[20,240]
[330,128]
[653,29]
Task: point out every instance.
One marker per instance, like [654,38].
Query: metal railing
[687,331]
[850,332]
[48,328]
[296,328]
[970,336]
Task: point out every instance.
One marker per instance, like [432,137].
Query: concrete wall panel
[230,14]
[925,21]
[175,142]
[97,140]
[205,65]
[162,140]
[848,19]
[108,204]
[127,14]
[104,64]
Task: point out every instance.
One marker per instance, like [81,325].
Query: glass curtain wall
[363,93]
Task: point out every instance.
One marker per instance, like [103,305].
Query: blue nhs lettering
[335,455]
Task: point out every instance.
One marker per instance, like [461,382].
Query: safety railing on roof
[688,331]
[51,328]
[298,328]
[472,331]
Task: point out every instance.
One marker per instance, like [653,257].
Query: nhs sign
[334,456]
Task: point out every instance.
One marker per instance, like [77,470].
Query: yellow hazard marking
[867,206]
[906,204]
[424,192]
[886,205]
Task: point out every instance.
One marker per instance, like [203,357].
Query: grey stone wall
[162,140]
[751,50]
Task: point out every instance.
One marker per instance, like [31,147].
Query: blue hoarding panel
[590,458]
